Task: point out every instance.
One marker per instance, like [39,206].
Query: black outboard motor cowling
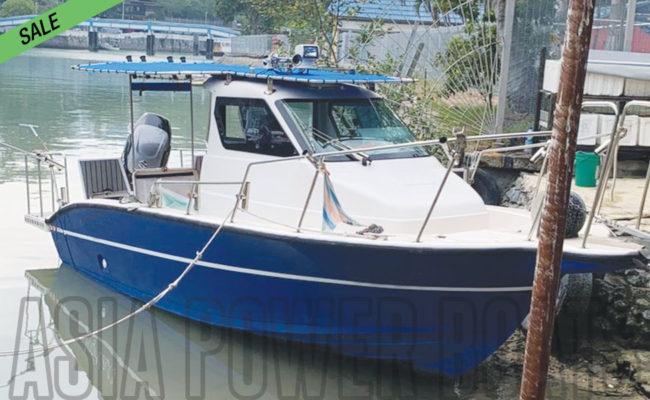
[153,137]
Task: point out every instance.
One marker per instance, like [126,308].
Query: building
[395,15]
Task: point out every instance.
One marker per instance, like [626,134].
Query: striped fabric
[333,213]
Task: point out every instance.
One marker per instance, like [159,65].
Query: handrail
[612,146]
[316,158]
[57,197]
[434,142]
[192,194]
[477,161]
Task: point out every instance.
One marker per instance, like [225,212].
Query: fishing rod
[45,157]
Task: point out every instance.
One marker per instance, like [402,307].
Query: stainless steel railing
[317,159]
[619,131]
[56,170]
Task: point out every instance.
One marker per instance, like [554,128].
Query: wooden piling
[553,223]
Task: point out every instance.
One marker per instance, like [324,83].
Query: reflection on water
[78,112]
[160,355]
[168,356]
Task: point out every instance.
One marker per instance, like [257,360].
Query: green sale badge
[50,24]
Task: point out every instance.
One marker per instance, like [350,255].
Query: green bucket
[586,166]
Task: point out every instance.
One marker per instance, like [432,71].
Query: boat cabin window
[333,124]
[249,125]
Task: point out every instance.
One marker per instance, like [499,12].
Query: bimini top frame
[180,75]
[299,75]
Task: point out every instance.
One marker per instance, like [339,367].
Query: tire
[487,188]
[572,320]
[576,215]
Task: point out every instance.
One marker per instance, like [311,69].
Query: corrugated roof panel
[389,10]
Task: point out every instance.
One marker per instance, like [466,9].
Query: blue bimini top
[303,75]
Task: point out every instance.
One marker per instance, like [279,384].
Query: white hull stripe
[280,275]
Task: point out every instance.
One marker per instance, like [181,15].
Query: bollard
[93,41]
[209,49]
[151,40]
[195,45]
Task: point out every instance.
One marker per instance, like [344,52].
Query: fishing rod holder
[52,167]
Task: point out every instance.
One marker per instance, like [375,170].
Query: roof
[399,11]
[619,63]
[610,74]
[168,70]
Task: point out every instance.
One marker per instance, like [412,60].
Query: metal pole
[29,206]
[538,213]
[629,25]
[540,87]
[614,173]
[435,199]
[506,44]
[132,131]
[643,197]
[553,222]
[40,186]
[602,184]
[191,197]
[53,189]
[192,123]
[67,183]
[311,191]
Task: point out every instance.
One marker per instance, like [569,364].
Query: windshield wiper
[336,142]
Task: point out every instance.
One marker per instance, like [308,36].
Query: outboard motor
[152,136]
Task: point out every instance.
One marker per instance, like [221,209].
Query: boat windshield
[330,125]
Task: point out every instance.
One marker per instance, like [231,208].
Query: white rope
[146,306]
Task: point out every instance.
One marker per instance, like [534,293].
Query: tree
[253,19]
[188,9]
[11,8]
[470,62]
[471,59]
[307,20]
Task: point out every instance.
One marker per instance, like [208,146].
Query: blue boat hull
[441,309]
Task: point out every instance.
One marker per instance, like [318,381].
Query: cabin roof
[240,88]
[300,75]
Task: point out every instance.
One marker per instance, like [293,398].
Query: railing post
[67,183]
[240,194]
[29,206]
[602,183]
[191,196]
[311,191]
[643,197]
[435,199]
[40,186]
[53,189]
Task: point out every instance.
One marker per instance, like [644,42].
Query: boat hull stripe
[280,275]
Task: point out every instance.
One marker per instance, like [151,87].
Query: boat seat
[103,178]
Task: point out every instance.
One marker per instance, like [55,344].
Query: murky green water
[155,355]
[82,113]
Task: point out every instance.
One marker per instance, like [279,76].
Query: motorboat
[336,226]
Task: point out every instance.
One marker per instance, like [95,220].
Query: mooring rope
[146,306]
